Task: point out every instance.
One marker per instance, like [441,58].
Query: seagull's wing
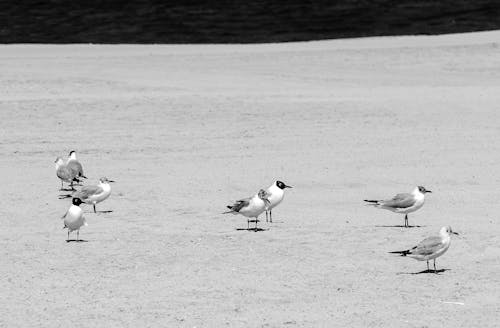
[427,246]
[88,191]
[400,201]
[65,173]
[239,204]
[75,166]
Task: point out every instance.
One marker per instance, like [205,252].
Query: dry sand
[187,129]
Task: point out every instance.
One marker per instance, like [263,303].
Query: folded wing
[399,201]
[427,246]
[88,191]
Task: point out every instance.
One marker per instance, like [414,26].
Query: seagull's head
[423,190]
[72,154]
[282,185]
[447,230]
[105,180]
[76,201]
[264,196]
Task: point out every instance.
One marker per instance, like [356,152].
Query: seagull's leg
[428,266]
[435,271]
[248,224]
[406,220]
[77,235]
[266,216]
[94,208]
[256,221]
[68,235]
[271,216]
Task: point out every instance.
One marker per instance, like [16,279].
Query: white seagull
[250,207]
[93,194]
[430,248]
[276,193]
[403,203]
[73,218]
[64,173]
[75,165]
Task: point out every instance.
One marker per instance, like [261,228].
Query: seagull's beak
[428,191]
[288,186]
[455,233]
[111,180]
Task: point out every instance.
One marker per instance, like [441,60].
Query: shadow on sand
[77,240]
[108,211]
[251,229]
[426,271]
[398,226]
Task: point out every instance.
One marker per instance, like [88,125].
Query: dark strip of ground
[224,21]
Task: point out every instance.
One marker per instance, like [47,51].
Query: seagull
[75,165]
[93,194]
[73,218]
[276,192]
[64,173]
[430,248]
[250,207]
[403,203]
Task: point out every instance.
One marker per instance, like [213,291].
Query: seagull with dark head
[65,174]
[403,203]
[276,194]
[73,218]
[74,165]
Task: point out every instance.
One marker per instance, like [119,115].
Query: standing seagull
[93,194]
[64,173]
[75,165]
[250,207]
[430,248]
[403,203]
[276,192]
[73,219]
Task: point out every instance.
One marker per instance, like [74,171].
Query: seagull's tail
[403,253]
[231,210]
[372,202]
[82,176]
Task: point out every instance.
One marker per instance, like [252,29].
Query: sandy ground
[185,130]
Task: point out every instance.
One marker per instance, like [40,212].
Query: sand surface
[185,130]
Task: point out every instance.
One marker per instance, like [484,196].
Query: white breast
[97,198]
[74,219]
[276,197]
[254,208]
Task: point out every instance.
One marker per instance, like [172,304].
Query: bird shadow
[99,212]
[426,271]
[251,229]
[67,189]
[398,226]
[77,240]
